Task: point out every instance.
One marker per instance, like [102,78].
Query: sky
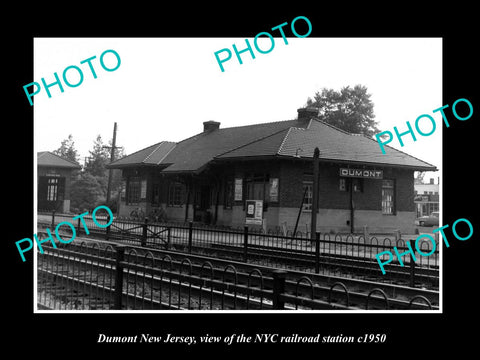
[165,88]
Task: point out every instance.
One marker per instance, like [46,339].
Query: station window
[156,194]
[175,192]
[133,190]
[388,197]
[308,191]
[52,189]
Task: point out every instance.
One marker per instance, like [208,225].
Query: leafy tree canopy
[349,109]
[67,150]
[89,186]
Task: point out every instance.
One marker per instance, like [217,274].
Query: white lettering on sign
[362,173]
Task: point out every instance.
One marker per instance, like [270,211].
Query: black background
[60,335]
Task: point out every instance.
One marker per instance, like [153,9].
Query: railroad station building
[53,185]
[212,176]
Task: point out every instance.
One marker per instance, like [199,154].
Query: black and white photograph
[281,187]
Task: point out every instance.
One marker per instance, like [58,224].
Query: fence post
[366,235]
[144,233]
[53,218]
[317,252]
[120,257]
[412,265]
[278,289]
[190,236]
[245,243]
[107,230]
[168,237]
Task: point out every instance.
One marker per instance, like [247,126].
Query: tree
[94,178]
[349,109]
[116,186]
[419,175]
[67,150]
[99,157]
[86,193]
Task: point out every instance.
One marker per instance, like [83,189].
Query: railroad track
[192,281]
[345,264]
[331,262]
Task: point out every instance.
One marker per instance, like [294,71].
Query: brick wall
[335,220]
[292,175]
[334,204]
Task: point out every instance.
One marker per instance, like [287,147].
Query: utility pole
[112,158]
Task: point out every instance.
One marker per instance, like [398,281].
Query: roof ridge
[254,141]
[333,126]
[263,123]
[153,151]
[139,151]
[41,154]
[61,157]
[234,127]
[168,152]
[284,139]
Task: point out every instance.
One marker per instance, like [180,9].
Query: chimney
[210,125]
[305,114]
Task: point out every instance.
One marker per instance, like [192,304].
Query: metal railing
[99,276]
[341,253]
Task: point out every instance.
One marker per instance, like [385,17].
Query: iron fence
[100,276]
[347,254]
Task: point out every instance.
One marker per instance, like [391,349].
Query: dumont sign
[361,173]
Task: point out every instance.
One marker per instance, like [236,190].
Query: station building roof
[49,159]
[293,139]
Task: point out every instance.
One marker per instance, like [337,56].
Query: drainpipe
[313,222]
[351,206]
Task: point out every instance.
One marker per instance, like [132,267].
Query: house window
[388,197]
[156,194]
[308,199]
[175,192]
[52,189]
[133,190]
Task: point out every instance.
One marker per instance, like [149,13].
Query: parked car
[429,220]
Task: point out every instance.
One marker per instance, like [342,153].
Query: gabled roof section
[285,139]
[152,155]
[193,154]
[338,145]
[266,146]
[47,158]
